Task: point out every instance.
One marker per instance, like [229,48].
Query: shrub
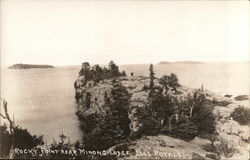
[185,130]
[123,73]
[204,119]
[221,102]
[5,141]
[145,88]
[241,115]
[149,124]
[228,95]
[22,138]
[63,144]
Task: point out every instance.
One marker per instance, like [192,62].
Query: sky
[63,32]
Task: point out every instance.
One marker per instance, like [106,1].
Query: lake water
[43,99]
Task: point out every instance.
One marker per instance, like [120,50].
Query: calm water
[43,99]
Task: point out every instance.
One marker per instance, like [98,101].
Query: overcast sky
[128,32]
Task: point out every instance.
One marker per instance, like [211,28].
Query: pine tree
[97,73]
[123,73]
[85,71]
[114,70]
[170,82]
[119,106]
[173,82]
[152,77]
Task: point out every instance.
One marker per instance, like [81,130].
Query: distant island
[182,62]
[29,66]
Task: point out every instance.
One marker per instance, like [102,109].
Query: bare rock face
[232,136]
[95,95]
[226,124]
[203,143]
[162,147]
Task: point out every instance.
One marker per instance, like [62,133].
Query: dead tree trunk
[11,127]
[191,110]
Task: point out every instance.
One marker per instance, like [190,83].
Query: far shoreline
[30,66]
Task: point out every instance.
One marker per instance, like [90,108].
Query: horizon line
[181,61]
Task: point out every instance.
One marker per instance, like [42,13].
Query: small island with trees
[29,66]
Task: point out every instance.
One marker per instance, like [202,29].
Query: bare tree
[11,126]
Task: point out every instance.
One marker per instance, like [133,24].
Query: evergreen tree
[120,105]
[123,73]
[85,71]
[97,73]
[106,73]
[114,69]
[152,93]
[152,77]
[173,81]
[170,82]
[164,82]
[155,100]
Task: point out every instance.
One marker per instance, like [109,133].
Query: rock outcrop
[230,133]
[227,130]
[162,147]
[242,98]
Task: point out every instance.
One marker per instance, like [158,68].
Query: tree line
[97,73]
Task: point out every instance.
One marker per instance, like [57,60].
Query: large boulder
[203,143]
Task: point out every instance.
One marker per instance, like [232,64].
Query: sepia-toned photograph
[125,80]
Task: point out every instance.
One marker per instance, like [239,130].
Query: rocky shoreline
[228,132]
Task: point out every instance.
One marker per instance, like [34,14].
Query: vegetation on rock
[241,115]
[97,73]
[165,111]
[15,137]
[184,117]
[241,98]
[105,130]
